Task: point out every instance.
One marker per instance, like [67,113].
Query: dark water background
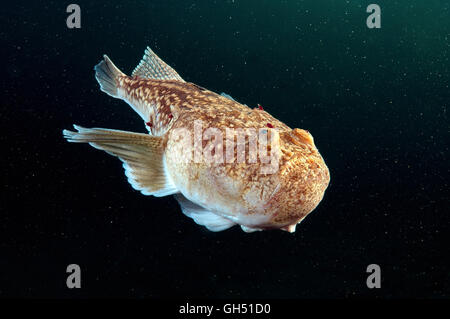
[376,102]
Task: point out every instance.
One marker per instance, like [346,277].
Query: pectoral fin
[249,229]
[203,216]
[142,156]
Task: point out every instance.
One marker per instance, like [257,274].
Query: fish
[224,162]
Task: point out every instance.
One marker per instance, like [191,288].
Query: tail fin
[142,156]
[107,75]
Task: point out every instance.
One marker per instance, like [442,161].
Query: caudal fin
[107,75]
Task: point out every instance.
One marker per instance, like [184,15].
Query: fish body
[225,163]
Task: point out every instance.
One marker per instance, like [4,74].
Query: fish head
[303,178]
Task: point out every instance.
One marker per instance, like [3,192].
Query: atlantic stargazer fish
[227,164]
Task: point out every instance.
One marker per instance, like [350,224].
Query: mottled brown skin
[284,198]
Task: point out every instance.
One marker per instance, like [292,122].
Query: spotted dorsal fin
[152,67]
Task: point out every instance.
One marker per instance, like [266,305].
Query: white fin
[203,216]
[142,156]
[152,67]
[250,229]
[289,228]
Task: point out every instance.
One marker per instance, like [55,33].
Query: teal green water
[375,100]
